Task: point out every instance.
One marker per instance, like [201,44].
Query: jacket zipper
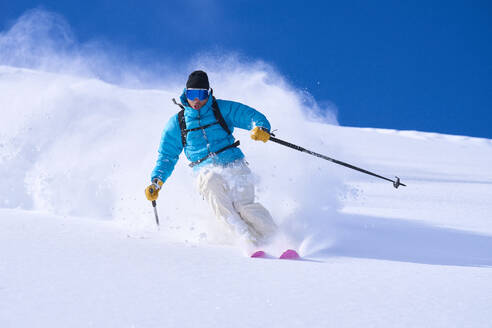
[204,133]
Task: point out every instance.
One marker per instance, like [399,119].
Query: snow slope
[79,247]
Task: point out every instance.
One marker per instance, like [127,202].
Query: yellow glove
[152,191]
[259,134]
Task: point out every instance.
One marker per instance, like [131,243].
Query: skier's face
[197,104]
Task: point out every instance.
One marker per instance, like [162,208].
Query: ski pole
[152,189]
[396,183]
[154,204]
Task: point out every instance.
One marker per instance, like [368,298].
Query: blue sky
[413,65]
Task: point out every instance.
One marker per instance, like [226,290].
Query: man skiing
[203,129]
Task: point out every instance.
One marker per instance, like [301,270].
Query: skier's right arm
[170,148]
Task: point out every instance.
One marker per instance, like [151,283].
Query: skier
[203,129]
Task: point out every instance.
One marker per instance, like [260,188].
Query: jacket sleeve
[170,148]
[242,116]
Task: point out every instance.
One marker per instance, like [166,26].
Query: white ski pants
[230,191]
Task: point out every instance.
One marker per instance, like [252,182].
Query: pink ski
[290,254]
[259,254]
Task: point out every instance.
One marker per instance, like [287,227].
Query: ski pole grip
[267,131]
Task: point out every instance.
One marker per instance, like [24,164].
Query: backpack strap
[235,144]
[182,122]
[182,126]
[219,117]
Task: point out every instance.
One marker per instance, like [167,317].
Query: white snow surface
[79,246]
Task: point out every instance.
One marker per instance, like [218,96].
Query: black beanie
[198,80]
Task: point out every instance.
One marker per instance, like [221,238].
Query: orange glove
[258,133]
[152,191]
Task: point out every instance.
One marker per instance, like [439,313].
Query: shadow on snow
[401,240]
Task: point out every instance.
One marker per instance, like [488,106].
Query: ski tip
[290,254]
[258,254]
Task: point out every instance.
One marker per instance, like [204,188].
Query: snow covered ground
[79,247]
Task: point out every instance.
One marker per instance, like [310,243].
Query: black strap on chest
[217,114]
[220,120]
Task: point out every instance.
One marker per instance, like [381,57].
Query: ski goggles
[201,94]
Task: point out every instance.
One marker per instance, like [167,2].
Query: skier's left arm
[242,116]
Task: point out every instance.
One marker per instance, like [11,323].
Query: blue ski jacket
[201,142]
